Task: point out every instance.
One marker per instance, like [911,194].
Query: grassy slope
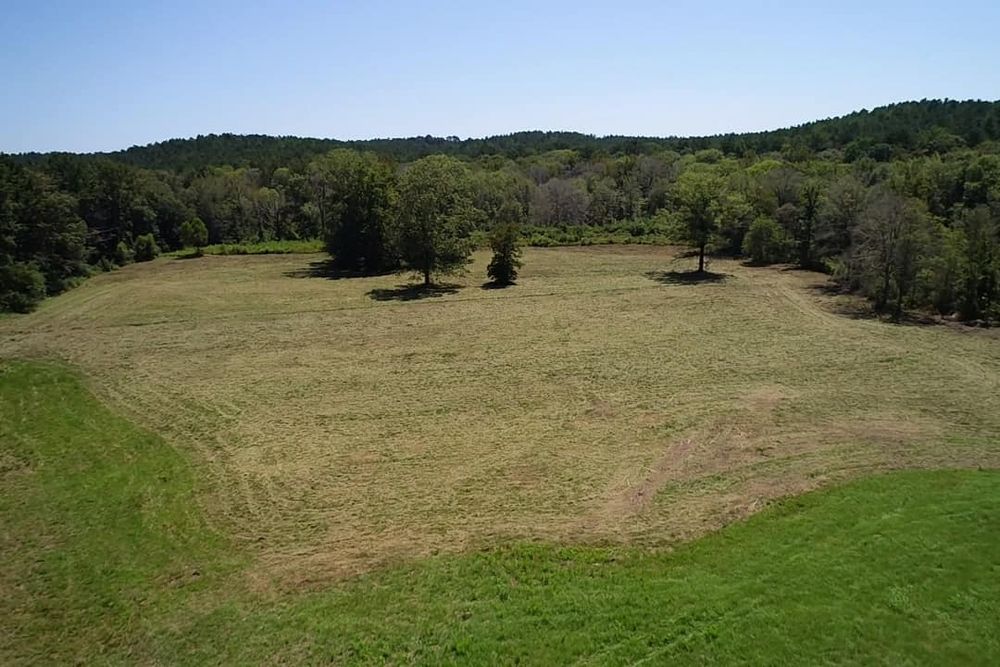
[342,425]
[103,552]
[100,525]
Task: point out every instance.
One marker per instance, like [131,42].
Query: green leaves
[505,242]
[194,234]
[435,216]
[698,197]
[355,196]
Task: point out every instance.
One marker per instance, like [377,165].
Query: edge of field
[107,558]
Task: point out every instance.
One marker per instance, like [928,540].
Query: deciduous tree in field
[435,216]
[698,195]
[357,192]
[505,242]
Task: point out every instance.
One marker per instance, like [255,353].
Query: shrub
[194,233]
[22,286]
[506,255]
[541,241]
[765,241]
[123,254]
[146,248]
[104,264]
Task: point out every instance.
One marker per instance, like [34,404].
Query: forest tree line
[883,133]
[908,215]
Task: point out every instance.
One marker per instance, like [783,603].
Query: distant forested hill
[882,133]
[901,203]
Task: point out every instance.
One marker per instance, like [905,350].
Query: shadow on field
[413,292]
[845,304]
[686,277]
[831,289]
[328,270]
[493,285]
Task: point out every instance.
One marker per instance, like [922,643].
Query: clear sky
[86,76]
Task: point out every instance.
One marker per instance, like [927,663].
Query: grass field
[107,559]
[342,425]
[244,459]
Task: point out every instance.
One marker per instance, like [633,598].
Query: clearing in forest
[341,424]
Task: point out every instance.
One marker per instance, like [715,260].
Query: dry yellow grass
[592,402]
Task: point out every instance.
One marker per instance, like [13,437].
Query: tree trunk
[701,258]
[883,295]
[427,276]
[898,315]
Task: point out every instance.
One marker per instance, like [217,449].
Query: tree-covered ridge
[882,133]
[901,204]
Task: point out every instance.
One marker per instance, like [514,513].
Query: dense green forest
[901,203]
[882,133]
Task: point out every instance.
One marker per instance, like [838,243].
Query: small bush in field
[146,248]
[505,243]
[22,286]
[123,254]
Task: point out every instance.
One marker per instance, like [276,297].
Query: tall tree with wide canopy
[357,193]
[698,194]
[435,216]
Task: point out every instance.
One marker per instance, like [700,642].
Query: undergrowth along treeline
[901,204]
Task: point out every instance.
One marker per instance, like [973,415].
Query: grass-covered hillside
[256,459]
[108,559]
[345,423]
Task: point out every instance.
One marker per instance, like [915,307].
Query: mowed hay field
[343,424]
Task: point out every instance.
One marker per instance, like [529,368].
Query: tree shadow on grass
[413,292]
[494,285]
[686,277]
[852,306]
[326,269]
[687,253]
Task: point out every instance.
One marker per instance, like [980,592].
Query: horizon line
[459,139]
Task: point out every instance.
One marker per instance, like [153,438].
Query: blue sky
[105,75]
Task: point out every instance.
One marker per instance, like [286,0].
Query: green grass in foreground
[104,557]
[99,522]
